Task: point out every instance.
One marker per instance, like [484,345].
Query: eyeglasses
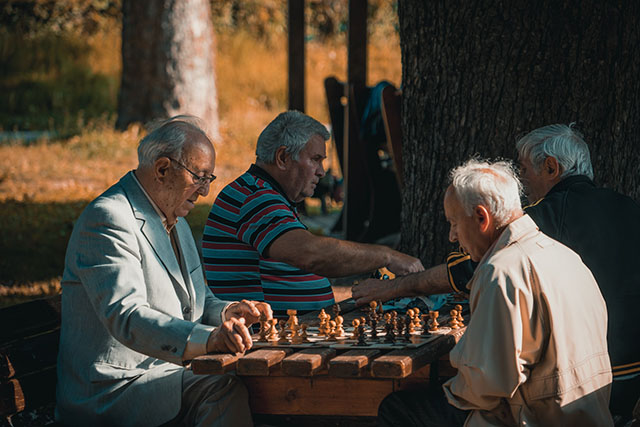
[197,179]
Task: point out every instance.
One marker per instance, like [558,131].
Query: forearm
[429,282]
[338,258]
[331,257]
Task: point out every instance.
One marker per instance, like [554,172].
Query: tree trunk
[167,62]
[479,74]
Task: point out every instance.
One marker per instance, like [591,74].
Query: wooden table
[326,381]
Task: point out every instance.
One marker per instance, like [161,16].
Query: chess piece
[408,327]
[331,334]
[273,333]
[323,322]
[355,323]
[424,324]
[410,321]
[292,322]
[282,333]
[460,319]
[417,323]
[362,336]
[263,328]
[374,316]
[295,336]
[339,331]
[453,322]
[433,321]
[390,331]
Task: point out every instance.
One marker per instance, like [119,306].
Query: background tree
[167,62]
[478,75]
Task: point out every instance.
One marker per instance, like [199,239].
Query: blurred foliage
[60,70]
[48,84]
[35,17]
[37,232]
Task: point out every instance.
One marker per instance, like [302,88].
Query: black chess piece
[362,336]
[407,328]
[390,333]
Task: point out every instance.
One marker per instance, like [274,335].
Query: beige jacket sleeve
[500,341]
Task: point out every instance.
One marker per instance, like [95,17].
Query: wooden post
[356,81]
[357,44]
[296,54]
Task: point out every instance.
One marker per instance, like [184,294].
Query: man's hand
[401,264]
[230,337]
[249,311]
[373,289]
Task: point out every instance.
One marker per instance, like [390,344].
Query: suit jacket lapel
[152,228]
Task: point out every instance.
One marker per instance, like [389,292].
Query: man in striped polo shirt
[255,246]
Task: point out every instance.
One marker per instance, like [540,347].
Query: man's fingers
[251,308]
[242,332]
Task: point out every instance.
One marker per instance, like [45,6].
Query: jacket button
[186,310]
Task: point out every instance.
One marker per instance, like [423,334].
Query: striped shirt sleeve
[460,269]
[264,217]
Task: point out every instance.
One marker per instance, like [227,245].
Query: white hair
[292,129]
[167,138]
[492,185]
[561,142]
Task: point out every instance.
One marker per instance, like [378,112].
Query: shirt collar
[166,225]
[256,170]
[569,181]
[512,233]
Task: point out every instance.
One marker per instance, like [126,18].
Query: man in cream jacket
[535,350]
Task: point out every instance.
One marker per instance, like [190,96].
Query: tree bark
[167,62]
[478,74]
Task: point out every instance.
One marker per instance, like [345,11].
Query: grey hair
[561,142]
[167,138]
[292,129]
[493,185]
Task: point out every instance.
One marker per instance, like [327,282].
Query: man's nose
[452,237]
[203,190]
[321,171]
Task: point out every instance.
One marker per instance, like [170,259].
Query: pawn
[433,323]
[331,334]
[417,323]
[356,324]
[424,323]
[410,325]
[339,331]
[273,333]
[460,319]
[453,323]
[295,336]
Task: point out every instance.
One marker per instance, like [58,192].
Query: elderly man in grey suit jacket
[135,305]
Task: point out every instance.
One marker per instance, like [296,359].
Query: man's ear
[282,158]
[161,168]
[482,218]
[551,168]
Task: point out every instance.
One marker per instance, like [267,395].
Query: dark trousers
[419,408]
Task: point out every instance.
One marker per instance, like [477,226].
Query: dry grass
[50,177]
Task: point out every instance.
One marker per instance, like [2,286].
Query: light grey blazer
[127,312]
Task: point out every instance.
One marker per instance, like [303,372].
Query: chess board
[346,342]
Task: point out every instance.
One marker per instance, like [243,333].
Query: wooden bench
[28,353]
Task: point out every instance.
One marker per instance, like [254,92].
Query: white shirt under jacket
[535,350]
